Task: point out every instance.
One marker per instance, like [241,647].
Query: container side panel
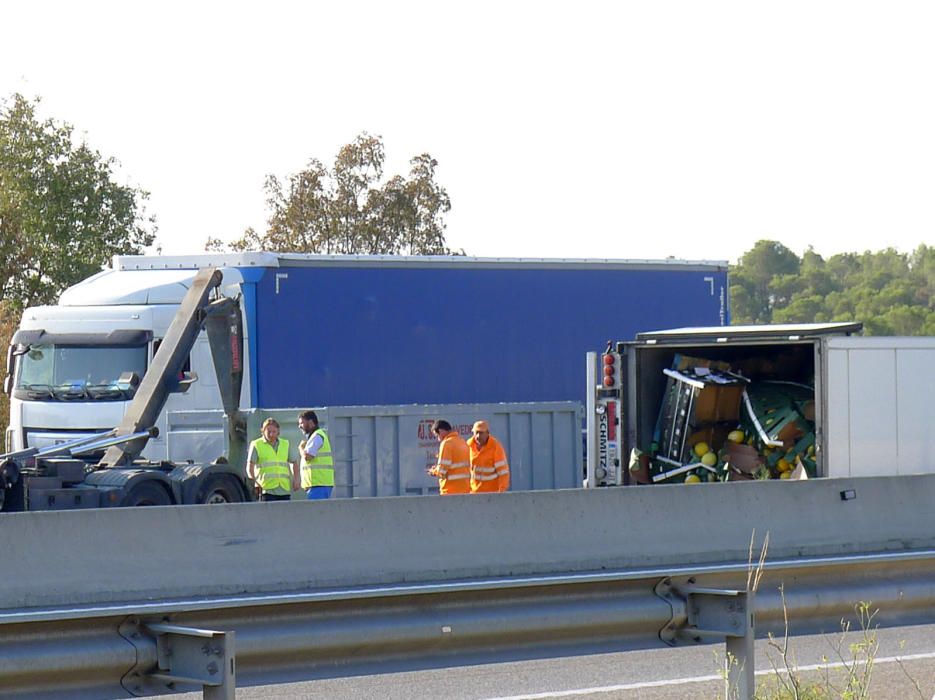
[568,450]
[520,452]
[915,386]
[566,453]
[836,460]
[541,425]
[199,436]
[351,464]
[873,414]
[385,450]
[386,480]
[344,336]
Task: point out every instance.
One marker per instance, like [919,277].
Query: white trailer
[870,395]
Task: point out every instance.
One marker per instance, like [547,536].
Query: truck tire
[147,493]
[221,488]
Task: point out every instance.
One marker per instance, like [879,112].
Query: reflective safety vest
[273,472]
[318,470]
[490,472]
[454,465]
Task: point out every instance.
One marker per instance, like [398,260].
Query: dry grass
[852,659]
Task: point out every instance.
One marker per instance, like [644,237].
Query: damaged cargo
[759,402]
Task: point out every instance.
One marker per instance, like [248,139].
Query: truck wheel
[147,493]
[221,488]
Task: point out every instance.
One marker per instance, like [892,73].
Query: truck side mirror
[185,381]
[128,383]
[8,384]
[129,379]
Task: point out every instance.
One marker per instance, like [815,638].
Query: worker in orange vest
[453,467]
[490,472]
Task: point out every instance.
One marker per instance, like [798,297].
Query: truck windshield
[76,372]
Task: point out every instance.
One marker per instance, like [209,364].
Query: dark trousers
[274,497]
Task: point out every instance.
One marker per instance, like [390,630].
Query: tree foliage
[347,210]
[892,293]
[9,318]
[62,216]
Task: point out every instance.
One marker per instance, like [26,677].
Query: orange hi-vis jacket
[490,472]
[454,465]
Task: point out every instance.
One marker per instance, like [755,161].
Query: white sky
[589,129]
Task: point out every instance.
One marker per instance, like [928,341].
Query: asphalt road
[903,669]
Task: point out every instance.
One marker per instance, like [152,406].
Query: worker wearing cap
[271,465]
[490,472]
[453,467]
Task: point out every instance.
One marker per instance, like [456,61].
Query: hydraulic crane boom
[165,375]
[55,478]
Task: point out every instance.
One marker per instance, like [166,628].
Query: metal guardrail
[122,602]
[134,649]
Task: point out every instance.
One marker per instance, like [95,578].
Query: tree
[346,210]
[62,216]
[760,275]
[890,292]
[9,319]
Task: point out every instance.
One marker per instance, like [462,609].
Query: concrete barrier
[102,556]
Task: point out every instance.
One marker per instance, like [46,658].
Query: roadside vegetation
[891,293]
[63,215]
[845,673]
[9,318]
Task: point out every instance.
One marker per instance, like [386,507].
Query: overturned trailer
[764,400]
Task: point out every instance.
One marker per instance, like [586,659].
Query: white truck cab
[66,364]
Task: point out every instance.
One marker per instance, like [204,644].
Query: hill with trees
[892,293]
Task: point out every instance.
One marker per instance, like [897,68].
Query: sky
[623,130]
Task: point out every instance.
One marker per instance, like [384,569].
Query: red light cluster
[609,378]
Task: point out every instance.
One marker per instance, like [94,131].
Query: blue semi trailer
[346,331]
[373,331]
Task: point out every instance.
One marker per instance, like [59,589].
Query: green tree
[62,216]
[816,278]
[757,280]
[922,264]
[802,309]
[347,210]
[9,319]
[890,292]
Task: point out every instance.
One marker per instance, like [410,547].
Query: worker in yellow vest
[317,459]
[271,466]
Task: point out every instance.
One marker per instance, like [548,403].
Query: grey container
[385,450]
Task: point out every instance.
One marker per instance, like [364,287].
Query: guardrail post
[741,678]
[699,612]
[171,654]
[200,657]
